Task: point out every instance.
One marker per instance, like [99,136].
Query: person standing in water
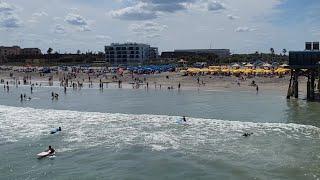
[184,119]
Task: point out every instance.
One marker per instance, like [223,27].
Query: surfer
[50,150]
[55,130]
[247,134]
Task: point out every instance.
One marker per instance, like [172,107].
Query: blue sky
[243,26]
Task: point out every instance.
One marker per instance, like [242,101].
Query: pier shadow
[303,112]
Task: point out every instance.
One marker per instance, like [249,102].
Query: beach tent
[249,65]
[284,65]
[236,65]
[267,66]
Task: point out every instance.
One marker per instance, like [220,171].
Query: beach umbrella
[214,67]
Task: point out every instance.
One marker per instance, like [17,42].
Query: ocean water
[133,134]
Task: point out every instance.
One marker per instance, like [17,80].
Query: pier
[305,63]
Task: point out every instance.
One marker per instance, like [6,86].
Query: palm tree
[272,54]
[49,50]
[272,51]
[284,51]
[78,52]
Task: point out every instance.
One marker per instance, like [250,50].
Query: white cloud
[10,20]
[5,7]
[232,17]
[103,37]
[244,29]
[148,29]
[39,14]
[215,6]
[35,16]
[8,16]
[139,11]
[148,26]
[149,9]
[77,20]
[59,29]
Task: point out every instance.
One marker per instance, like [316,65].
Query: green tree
[49,51]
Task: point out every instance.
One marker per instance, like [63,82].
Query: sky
[243,26]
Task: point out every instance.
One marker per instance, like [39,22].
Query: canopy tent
[182,61]
[267,65]
[249,65]
[284,65]
[236,65]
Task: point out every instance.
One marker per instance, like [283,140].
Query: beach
[207,82]
[132,133]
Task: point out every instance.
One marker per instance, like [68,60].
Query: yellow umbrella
[214,67]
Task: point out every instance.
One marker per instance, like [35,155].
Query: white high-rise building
[129,53]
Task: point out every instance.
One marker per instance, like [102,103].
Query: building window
[137,52]
[137,48]
[137,56]
[118,48]
[124,48]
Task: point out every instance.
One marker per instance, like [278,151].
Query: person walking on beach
[119,83]
[179,86]
[31,88]
[257,88]
[21,97]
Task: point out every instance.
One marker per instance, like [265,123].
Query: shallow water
[133,134]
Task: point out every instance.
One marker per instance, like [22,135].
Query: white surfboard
[43,154]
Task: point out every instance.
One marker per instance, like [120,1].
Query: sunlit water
[133,134]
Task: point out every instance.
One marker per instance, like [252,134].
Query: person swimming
[247,134]
[53,131]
